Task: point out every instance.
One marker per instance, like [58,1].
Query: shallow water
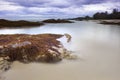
[97,46]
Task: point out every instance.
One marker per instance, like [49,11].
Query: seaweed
[30,48]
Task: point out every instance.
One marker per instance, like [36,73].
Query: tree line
[105,15]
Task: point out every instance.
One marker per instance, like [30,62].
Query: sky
[44,9]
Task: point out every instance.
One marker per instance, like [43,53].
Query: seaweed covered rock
[29,48]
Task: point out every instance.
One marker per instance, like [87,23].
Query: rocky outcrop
[32,48]
[28,48]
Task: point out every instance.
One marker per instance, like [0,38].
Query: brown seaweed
[29,48]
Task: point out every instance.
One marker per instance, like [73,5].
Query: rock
[72,57]
[30,48]
[4,65]
[68,36]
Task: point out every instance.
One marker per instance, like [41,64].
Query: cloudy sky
[40,9]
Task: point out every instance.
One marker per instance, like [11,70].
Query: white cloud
[59,3]
[108,6]
[9,6]
[40,10]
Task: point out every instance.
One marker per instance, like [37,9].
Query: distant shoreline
[57,21]
[18,24]
[26,24]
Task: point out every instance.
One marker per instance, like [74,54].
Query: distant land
[103,17]
[100,15]
[56,21]
[21,23]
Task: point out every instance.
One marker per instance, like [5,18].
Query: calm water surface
[97,46]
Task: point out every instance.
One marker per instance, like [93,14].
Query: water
[97,45]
